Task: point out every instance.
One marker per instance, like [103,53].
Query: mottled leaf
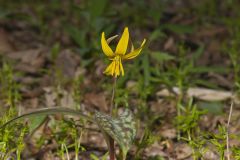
[121,129]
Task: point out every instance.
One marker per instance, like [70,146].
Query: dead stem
[227,136]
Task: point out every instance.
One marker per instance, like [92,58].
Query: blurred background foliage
[171,27]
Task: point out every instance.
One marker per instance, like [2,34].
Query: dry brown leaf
[155,150]
[170,133]
[97,100]
[162,107]
[200,93]
[31,60]
[183,151]
[210,155]
[100,67]
[59,97]
[50,97]
[210,31]
[34,102]
[169,43]
[31,93]
[220,79]
[67,62]
[5,45]
[67,100]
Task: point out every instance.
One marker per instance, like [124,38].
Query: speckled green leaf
[121,129]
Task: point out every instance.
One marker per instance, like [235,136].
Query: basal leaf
[48,111]
[36,122]
[121,129]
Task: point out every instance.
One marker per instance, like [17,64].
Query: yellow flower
[116,67]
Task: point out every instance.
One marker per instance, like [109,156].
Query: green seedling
[218,140]
[94,157]
[10,141]
[188,126]
[147,139]
[236,153]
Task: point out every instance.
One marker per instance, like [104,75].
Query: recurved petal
[105,47]
[134,53]
[109,40]
[132,48]
[123,42]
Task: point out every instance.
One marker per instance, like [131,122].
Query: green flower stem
[111,149]
[113,95]
[111,141]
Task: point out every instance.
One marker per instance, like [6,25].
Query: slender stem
[179,100]
[111,140]
[227,136]
[113,95]
[190,139]
[111,149]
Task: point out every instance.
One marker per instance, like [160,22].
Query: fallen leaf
[210,155]
[200,93]
[169,43]
[210,31]
[30,61]
[97,100]
[168,132]
[50,97]
[5,45]
[183,151]
[68,62]
[155,150]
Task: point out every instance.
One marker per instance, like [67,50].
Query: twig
[227,136]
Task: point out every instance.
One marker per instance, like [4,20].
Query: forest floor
[180,88]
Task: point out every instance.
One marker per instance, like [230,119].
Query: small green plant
[233,52]
[12,138]
[147,139]
[9,88]
[120,129]
[94,157]
[188,126]
[218,140]
[236,153]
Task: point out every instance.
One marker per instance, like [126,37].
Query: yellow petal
[105,47]
[117,69]
[108,70]
[113,68]
[134,53]
[123,43]
[132,48]
[121,67]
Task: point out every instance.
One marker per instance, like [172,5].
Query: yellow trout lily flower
[116,67]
